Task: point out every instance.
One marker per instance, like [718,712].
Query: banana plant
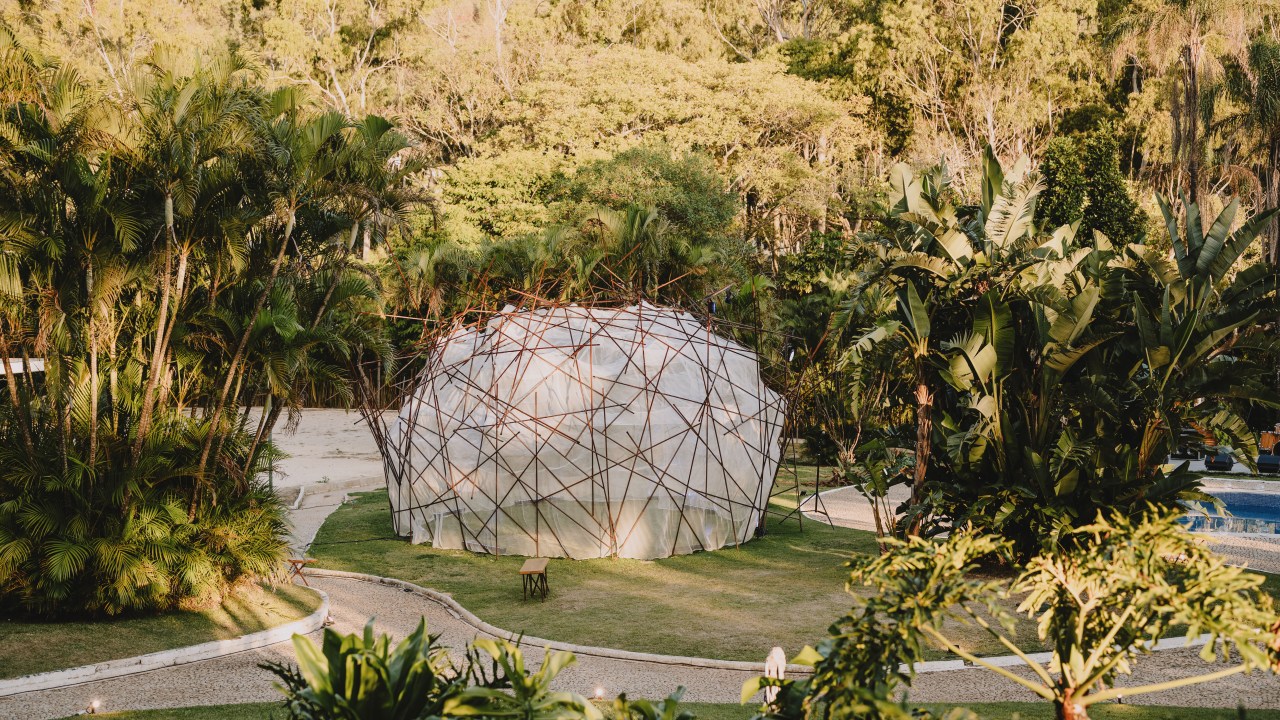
[1048,372]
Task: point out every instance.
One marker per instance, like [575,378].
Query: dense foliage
[1018,349]
[801,106]
[361,677]
[172,255]
[1051,373]
[1100,607]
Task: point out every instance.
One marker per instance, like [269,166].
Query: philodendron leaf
[313,665]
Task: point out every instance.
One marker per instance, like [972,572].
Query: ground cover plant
[779,590]
[66,644]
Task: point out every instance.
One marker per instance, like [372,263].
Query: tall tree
[1187,39]
[1256,85]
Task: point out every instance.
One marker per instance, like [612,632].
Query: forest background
[798,108]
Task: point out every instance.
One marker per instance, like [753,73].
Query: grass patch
[246,711]
[72,644]
[784,589]
[1271,584]
[727,711]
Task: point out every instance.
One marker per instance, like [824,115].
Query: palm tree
[1189,39]
[188,130]
[1257,87]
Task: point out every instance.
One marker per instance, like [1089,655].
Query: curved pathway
[237,678]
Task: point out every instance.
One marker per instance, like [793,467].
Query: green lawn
[247,711]
[71,644]
[784,589]
[711,711]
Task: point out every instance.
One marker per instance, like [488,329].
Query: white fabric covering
[586,432]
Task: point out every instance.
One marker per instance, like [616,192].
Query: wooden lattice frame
[745,498]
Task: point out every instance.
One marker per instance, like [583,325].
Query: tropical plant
[665,709]
[173,253]
[1099,606]
[112,537]
[526,695]
[872,468]
[1058,368]
[361,677]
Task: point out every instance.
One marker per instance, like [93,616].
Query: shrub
[1062,202]
[109,537]
[1111,210]
[360,677]
[1099,604]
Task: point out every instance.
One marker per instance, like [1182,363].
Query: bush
[1062,202]
[1100,605]
[1111,210]
[111,537]
[360,677]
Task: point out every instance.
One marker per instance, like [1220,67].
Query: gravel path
[237,678]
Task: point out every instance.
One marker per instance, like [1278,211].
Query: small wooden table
[296,566]
[534,576]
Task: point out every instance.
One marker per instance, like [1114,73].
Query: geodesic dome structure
[585,432]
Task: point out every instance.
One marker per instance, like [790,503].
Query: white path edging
[297,502]
[167,658]
[461,613]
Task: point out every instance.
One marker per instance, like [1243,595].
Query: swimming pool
[1250,512]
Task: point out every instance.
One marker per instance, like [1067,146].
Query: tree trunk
[264,431]
[157,354]
[19,416]
[924,436]
[216,417]
[1067,709]
[1273,198]
[1191,109]
[113,386]
[94,384]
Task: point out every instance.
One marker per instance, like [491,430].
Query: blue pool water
[1249,512]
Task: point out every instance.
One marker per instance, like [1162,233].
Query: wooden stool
[534,576]
[296,565]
